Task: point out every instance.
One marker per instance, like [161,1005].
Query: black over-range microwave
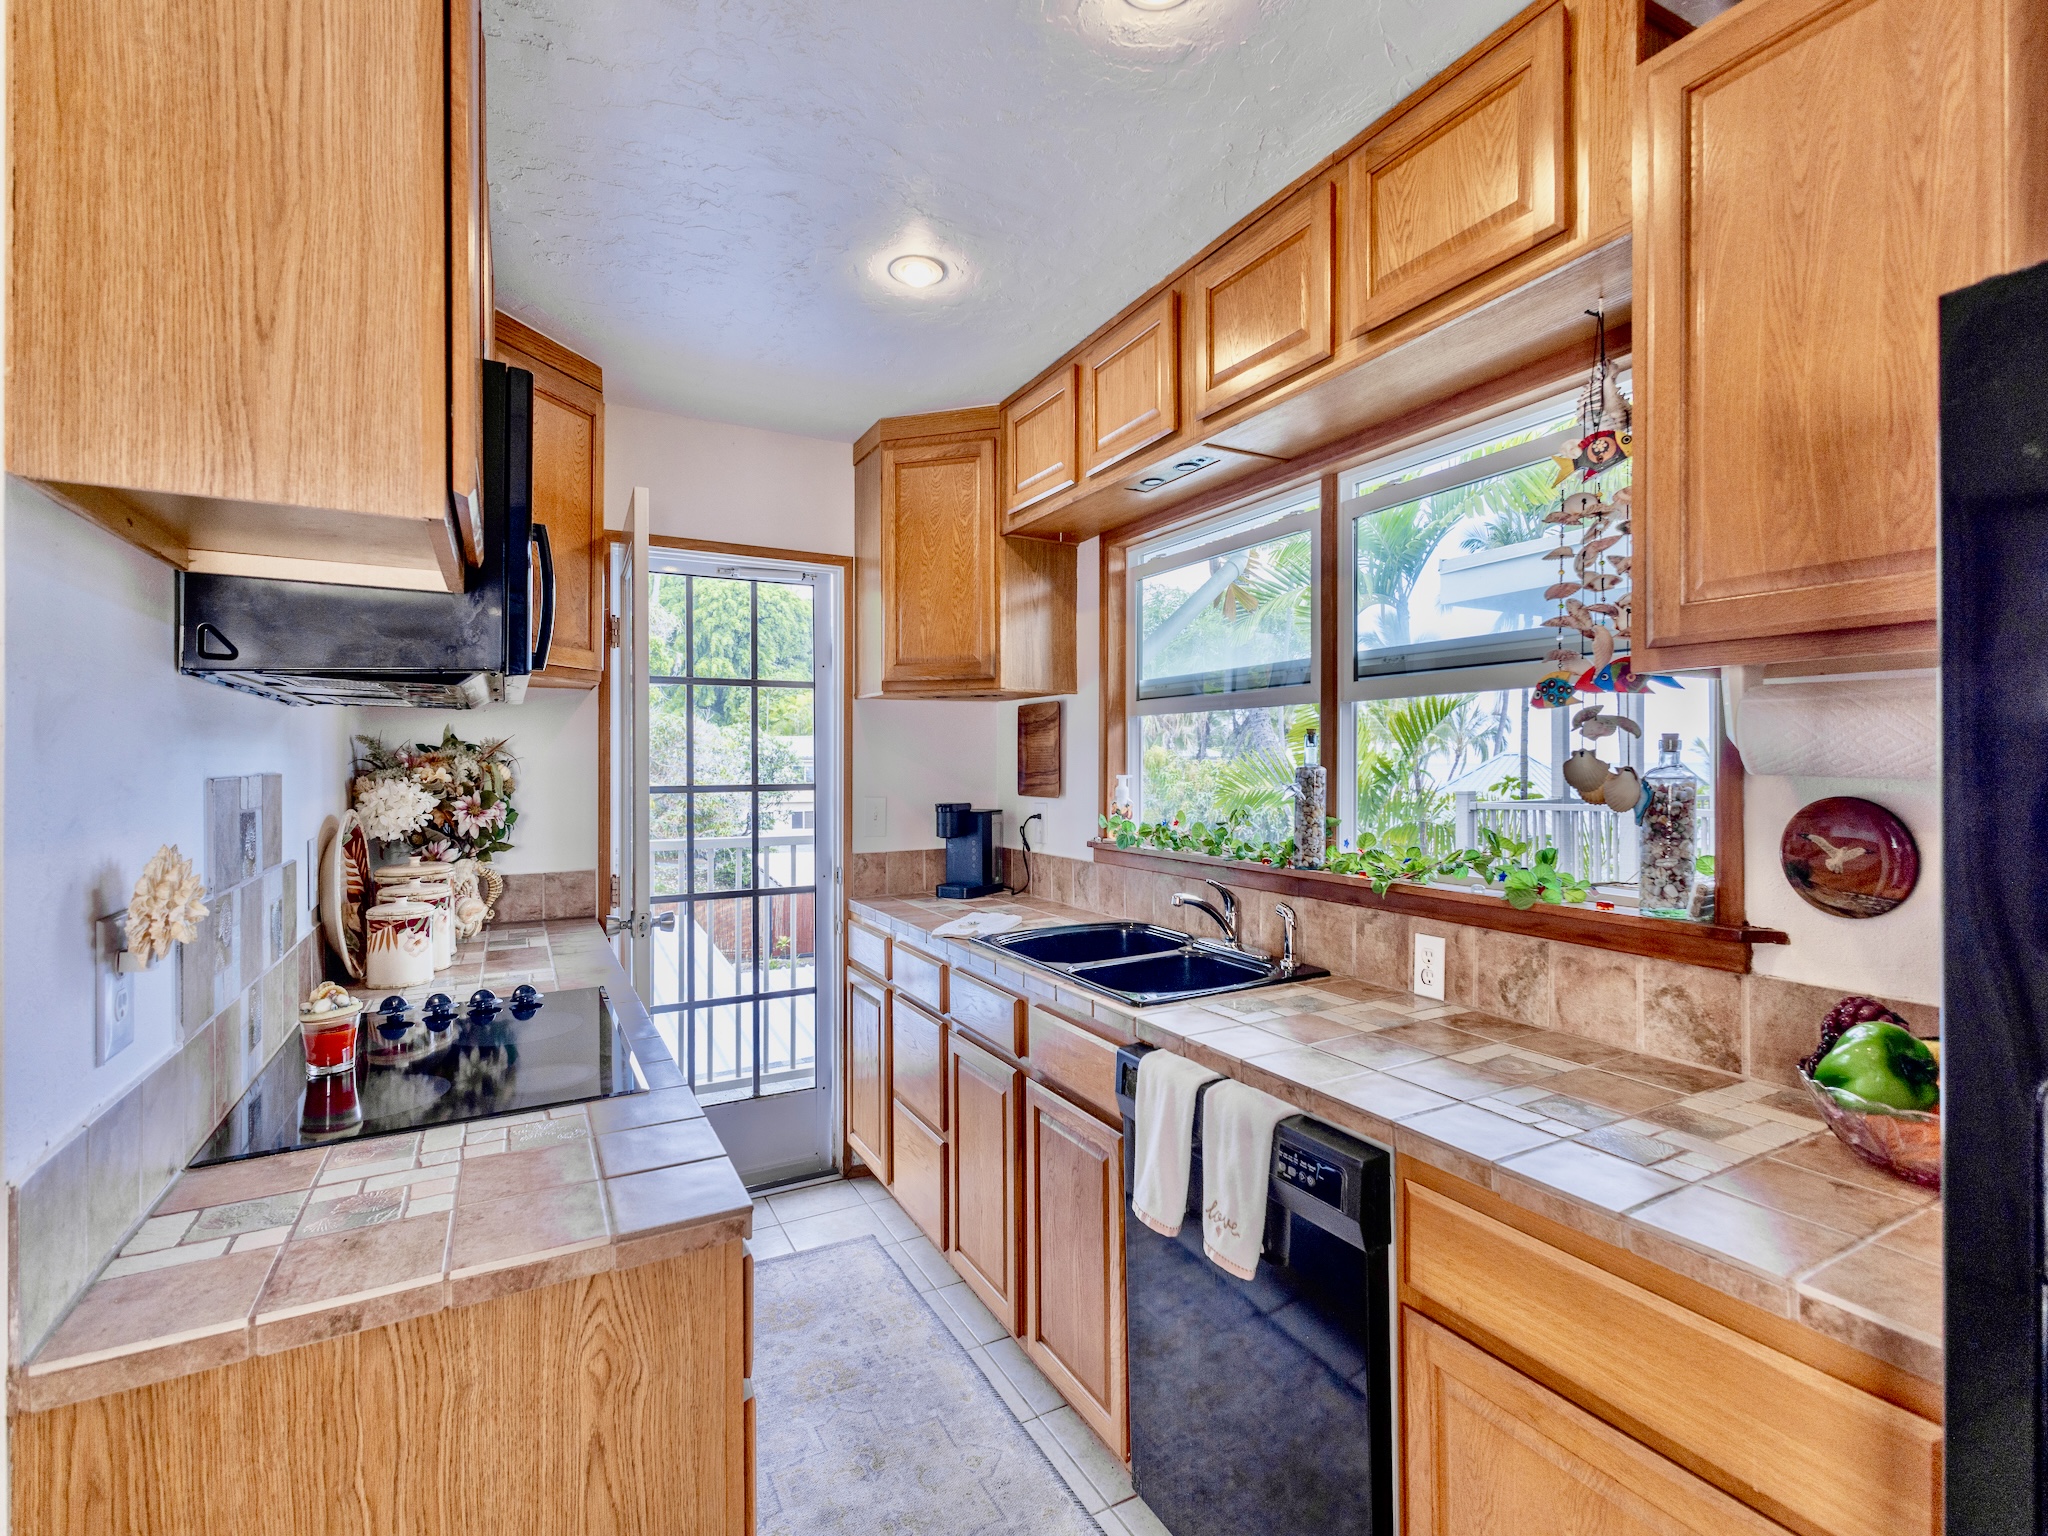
[307,642]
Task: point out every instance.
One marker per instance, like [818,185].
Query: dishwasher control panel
[1306,1171]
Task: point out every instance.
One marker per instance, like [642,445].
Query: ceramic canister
[439,895]
[400,948]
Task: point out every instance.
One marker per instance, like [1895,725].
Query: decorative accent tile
[368,1209]
[247,1216]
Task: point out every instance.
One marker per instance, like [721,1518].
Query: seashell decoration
[165,906]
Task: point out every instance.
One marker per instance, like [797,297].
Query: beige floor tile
[838,1226]
[816,1200]
[1063,1464]
[1105,1474]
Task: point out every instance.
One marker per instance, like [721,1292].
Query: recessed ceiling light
[918,271]
[1154,5]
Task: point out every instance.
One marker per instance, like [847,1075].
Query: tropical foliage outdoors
[705,733]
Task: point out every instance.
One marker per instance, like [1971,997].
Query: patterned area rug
[872,1420]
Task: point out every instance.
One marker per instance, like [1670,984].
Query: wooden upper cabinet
[939,562]
[1490,1453]
[1260,307]
[1074,1260]
[232,335]
[568,494]
[1039,441]
[946,606]
[1130,386]
[1477,171]
[1811,176]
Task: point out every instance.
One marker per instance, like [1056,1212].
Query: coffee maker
[973,843]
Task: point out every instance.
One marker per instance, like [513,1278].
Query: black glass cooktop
[468,1061]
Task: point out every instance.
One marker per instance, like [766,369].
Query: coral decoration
[165,906]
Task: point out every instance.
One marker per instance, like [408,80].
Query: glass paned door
[735,829]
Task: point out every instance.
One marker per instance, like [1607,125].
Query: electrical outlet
[874,816]
[1428,979]
[114,1028]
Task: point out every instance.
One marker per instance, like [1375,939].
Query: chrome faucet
[1287,920]
[1225,919]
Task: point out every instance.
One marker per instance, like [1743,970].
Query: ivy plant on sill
[1525,876]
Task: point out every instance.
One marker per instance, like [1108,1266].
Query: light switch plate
[114,1029]
[874,815]
[1428,979]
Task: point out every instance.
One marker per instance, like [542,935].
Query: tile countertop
[1731,1181]
[274,1252]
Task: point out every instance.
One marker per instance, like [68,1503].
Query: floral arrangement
[447,801]
[164,907]
[1524,878]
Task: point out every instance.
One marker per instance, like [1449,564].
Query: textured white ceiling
[701,194]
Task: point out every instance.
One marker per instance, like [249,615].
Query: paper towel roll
[1845,728]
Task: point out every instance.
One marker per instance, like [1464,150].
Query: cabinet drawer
[920,1184]
[868,948]
[918,975]
[920,1062]
[990,1011]
[1079,1062]
[1838,1459]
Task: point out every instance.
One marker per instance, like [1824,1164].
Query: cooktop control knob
[526,995]
[392,1004]
[483,1000]
[440,1002]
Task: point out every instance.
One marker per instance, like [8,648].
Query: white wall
[108,751]
[554,738]
[1897,955]
[734,485]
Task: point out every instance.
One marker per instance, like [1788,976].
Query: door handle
[639,925]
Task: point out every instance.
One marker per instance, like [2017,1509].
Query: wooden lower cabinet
[868,1094]
[1488,1452]
[1074,1323]
[986,1095]
[614,1402]
[918,1172]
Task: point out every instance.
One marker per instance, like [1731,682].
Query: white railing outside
[1592,842]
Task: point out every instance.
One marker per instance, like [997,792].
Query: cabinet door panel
[1491,1453]
[1074,1260]
[1260,308]
[1811,177]
[938,541]
[1477,172]
[1038,442]
[987,1101]
[920,1174]
[991,1011]
[568,494]
[1130,386]
[917,1062]
[868,1100]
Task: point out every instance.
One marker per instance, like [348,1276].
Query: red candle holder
[330,1044]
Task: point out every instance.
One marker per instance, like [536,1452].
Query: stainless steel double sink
[1139,964]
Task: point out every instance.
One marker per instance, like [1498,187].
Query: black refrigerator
[1994,656]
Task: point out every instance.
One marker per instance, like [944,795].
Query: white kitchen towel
[1237,1165]
[976,923]
[1165,1129]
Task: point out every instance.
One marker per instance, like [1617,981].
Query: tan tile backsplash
[547,897]
[239,984]
[1756,1025]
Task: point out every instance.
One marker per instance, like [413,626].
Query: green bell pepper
[1881,1063]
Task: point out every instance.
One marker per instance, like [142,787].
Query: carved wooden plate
[1850,857]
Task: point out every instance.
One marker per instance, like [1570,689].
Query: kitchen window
[1434,562]
[1224,637]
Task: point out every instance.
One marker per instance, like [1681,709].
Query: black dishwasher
[1267,1405]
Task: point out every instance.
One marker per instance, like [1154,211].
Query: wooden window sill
[1708,944]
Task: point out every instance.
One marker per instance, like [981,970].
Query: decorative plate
[1850,857]
[344,876]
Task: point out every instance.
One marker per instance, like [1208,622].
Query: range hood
[305,642]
